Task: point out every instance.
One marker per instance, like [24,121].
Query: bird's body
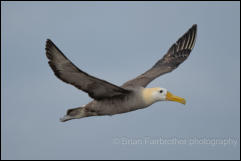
[110,99]
[116,105]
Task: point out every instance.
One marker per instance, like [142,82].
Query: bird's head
[152,95]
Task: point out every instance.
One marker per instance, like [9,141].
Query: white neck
[148,96]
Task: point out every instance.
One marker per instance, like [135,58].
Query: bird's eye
[161,91]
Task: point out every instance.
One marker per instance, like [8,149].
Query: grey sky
[116,41]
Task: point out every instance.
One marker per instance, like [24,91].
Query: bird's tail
[74,113]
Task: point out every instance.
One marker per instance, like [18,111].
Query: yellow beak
[172,97]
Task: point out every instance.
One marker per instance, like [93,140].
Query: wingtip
[49,44]
[194,26]
[49,41]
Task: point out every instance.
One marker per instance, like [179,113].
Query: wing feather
[176,54]
[65,70]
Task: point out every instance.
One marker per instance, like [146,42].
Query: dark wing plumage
[177,53]
[65,70]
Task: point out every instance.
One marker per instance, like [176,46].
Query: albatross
[110,99]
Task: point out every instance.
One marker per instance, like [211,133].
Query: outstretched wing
[177,53]
[65,70]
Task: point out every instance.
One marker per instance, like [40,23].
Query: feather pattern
[176,54]
[65,70]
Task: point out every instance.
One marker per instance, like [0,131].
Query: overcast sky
[116,41]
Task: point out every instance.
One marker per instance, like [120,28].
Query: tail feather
[74,113]
[66,118]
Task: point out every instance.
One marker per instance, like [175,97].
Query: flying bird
[110,99]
